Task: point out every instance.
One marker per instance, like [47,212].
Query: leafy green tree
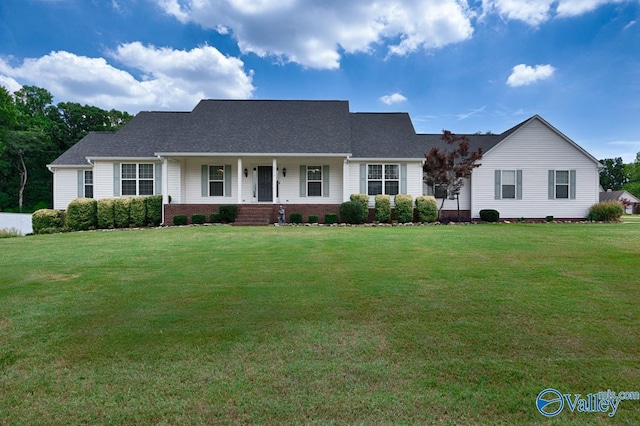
[33,132]
[614,175]
[633,170]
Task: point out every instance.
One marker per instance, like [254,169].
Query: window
[216,181]
[440,191]
[383,179]
[314,181]
[509,184]
[562,184]
[88,183]
[137,179]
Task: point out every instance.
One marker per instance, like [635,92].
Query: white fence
[19,221]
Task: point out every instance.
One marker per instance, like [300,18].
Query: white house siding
[289,189]
[103,179]
[65,187]
[414,178]
[174,180]
[535,149]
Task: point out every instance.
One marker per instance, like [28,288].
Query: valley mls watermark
[551,402]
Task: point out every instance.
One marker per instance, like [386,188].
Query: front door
[265,183]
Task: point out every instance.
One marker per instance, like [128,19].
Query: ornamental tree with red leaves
[448,167]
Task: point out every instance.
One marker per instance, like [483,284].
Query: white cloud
[536,12]
[313,34]
[395,98]
[468,114]
[523,75]
[568,8]
[533,12]
[172,79]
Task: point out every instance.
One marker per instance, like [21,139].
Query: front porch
[250,214]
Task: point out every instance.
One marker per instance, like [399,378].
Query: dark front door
[265,183]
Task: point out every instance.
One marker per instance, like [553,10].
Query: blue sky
[465,66]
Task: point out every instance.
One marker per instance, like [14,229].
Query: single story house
[310,156]
[633,202]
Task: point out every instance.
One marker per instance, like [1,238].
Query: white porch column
[274,187]
[240,172]
[165,184]
[345,180]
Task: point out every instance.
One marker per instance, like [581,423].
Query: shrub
[154,209]
[330,218]
[137,212]
[404,208]
[549,218]
[81,214]
[313,218]
[352,212]
[198,219]
[10,232]
[383,208]
[215,218]
[295,218]
[121,212]
[180,219]
[228,213]
[362,199]
[427,208]
[489,215]
[607,211]
[106,213]
[46,219]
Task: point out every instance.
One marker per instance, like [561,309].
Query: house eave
[253,154]
[386,159]
[122,159]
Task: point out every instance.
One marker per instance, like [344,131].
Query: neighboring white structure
[312,155]
[19,221]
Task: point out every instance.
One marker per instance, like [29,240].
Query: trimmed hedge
[121,212]
[154,209]
[352,212]
[81,214]
[295,218]
[330,218]
[427,208]
[180,219]
[137,212]
[607,211]
[404,208]
[106,213]
[228,213]
[383,208]
[363,200]
[45,221]
[313,218]
[198,219]
[489,215]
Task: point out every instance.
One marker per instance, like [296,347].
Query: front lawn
[320,325]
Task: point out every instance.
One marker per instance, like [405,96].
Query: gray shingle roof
[263,127]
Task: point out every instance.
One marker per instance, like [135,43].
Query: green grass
[630,218]
[318,325]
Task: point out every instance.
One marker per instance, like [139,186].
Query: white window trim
[317,169]
[383,180]
[85,184]
[137,179]
[209,180]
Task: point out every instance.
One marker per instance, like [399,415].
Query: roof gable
[505,136]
